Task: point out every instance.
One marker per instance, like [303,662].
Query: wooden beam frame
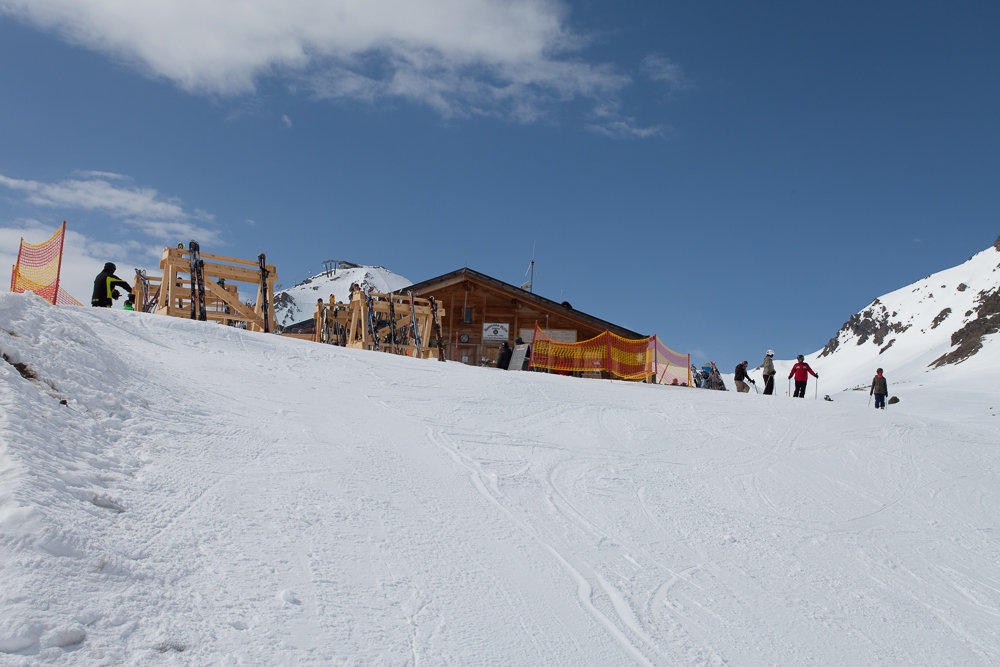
[354,317]
[175,293]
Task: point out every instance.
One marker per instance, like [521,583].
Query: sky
[730,176]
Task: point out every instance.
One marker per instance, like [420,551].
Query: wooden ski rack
[175,292]
[327,316]
[353,317]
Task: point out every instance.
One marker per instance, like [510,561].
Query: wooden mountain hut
[482,312]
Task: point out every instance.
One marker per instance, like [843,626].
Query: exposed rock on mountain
[297,303]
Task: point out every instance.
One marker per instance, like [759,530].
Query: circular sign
[464,338]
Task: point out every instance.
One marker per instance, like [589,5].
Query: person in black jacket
[503,359]
[742,378]
[880,388]
[105,285]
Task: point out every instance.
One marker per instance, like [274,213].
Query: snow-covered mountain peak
[297,303]
[954,308]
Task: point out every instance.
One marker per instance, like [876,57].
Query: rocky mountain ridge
[937,340]
[980,310]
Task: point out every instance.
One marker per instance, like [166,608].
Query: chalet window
[468,316]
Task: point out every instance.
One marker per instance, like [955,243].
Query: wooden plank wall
[490,305]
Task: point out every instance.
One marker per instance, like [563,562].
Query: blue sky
[731,176]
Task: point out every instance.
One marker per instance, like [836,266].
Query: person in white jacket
[768,368]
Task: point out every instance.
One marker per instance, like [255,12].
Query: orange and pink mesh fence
[639,359]
[37,270]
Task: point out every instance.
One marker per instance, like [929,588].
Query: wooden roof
[462,275]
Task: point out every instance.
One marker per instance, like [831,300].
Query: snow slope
[211,496]
[297,303]
[905,332]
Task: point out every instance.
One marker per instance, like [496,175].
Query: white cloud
[664,70]
[142,208]
[97,194]
[512,58]
[608,120]
[102,174]
[286,121]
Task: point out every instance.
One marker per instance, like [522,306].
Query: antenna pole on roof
[531,270]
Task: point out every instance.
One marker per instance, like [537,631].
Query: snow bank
[212,496]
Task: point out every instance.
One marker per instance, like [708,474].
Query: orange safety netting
[669,366]
[621,357]
[37,270]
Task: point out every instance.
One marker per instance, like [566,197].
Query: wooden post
[451,307]
[319,320]
[607,337]
[653,361]
[270,301]
[517,307]
[62,241]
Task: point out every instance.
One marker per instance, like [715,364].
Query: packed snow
[178,492]
[298,303]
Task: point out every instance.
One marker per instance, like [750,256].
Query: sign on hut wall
[496,331]
[561,335]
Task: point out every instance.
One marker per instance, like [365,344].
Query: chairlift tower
[331,265]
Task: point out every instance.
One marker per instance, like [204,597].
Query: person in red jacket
[801,372]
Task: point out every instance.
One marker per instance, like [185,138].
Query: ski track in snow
[286,503]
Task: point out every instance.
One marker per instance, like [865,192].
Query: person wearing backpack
[801,371]
[880,389]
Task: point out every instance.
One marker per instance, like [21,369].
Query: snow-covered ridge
[964,299]
[297,303]
[935,338]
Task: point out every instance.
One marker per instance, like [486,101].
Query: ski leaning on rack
[392,321]
[151,304]
[148,301]
[437,327]
[372,335]
[144,297]
[414,329]
[326,335]
[265,306]
[197,283]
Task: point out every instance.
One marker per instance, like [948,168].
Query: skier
[129,303]
[503,359]
[741,375]
[801,372]
[880,389]
[104,287]
[768,368]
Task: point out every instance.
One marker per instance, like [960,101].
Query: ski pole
[816,397]
[789,393]
[869,400]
